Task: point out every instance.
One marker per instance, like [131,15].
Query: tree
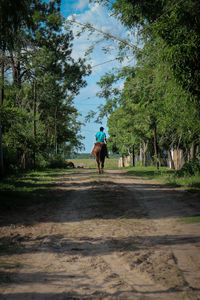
[165,86]
[45,81]
[177,24]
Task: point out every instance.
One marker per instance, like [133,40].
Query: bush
[10,160]
[41,161]
[57,161]
[138,163]
[190,168]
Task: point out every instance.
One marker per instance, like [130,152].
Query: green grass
[149,172]
[191,182]
[6,265]
[193,219]
[111,163]
[167,176]
[5,275]
[8,247]
[22,189]
[96,175]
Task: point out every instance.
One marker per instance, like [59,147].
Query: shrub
[57,161]
[190,168]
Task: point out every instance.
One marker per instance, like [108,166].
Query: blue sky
[99,17]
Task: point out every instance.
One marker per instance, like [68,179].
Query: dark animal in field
[70,165]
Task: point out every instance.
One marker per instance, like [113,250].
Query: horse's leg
[98,164]
[102,165]
[99,167]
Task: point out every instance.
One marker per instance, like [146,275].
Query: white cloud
[98,17]
[81,4]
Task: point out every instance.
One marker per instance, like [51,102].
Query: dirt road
[107,237]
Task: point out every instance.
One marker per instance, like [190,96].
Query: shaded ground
[105,237]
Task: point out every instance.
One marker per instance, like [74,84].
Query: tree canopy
[158,108]
[38,117]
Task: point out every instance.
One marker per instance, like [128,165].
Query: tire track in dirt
[110,237]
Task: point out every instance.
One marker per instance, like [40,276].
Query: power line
[109,35]
[105,62]
[117,38]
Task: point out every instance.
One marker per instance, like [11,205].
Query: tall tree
[45,80]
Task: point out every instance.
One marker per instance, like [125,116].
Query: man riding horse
[101,138]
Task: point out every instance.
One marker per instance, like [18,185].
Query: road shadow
[87,246]
[97,295]
[95,196]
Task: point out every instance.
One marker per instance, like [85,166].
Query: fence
[176,160]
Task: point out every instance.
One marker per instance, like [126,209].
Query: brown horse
[100,152]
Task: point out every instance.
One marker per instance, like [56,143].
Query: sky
[83,11]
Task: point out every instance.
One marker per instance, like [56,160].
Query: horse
[100,152]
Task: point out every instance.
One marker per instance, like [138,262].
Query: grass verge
[193,219]
[167,176]
[25,188]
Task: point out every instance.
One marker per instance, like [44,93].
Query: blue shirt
[100,136]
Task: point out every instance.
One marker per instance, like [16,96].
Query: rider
[101,138]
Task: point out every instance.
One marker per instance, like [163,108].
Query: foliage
[56,162]
[190,168]
[167,176]
[158,108]
[177,24]
[193,219]
[38,115]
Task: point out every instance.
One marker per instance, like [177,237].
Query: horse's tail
[102,152]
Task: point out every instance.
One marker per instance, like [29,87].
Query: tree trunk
[133,153]
[155,147]
[145,148]
[1,150]
[193,150]
[171,159]
[16,69]
[55,133]
[123,163]
[1,104]
[34,120]
[141,154]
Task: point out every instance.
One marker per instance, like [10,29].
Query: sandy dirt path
[107,237]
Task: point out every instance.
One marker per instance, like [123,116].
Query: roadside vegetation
[193,219]
[24,189]
[167,176]
[38,82]
[156,115]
